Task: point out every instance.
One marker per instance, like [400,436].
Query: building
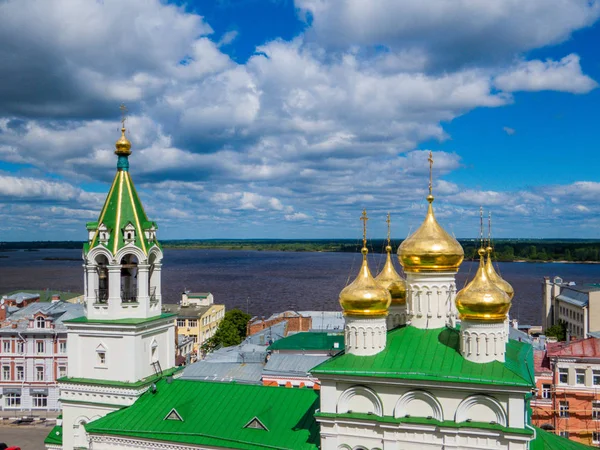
[296,321]
[20,299]
[33,355]
[568,390]
[124,343]
[577,306]
[426,384]
[197,317]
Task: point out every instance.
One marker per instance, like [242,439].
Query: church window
[256,424]
[40,322]
[129,233]
[174,415]
[102,358]
[153,352]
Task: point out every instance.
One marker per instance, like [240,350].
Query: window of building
[596,410]
[564,434]
[596,377]
[62,371]
[564,409]
[39,373]
[39,346]
[595,437]
[195,337]
[6,372]
[40,322]
[563,375]
[181,322]
[12,400]
[6,346]
[40,400]
[546,390]
[20,347]
[62,346]
[101,358]
[20,373]
[192,323]
[580,376]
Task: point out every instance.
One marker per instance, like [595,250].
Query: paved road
[26,437]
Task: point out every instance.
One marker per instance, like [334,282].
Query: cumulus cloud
[564,75]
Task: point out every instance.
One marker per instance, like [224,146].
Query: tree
[231,331]
[559,331]
[239,319]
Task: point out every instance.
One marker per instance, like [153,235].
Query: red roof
[541,363]
[583,348]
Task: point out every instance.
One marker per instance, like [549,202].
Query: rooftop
[58,311]
[191,311]
[221,419]
[583,348]
[416,354]
[311,340]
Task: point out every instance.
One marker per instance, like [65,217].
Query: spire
[430,248]
[489,267]
[388,277]
[123,146]
[365,296]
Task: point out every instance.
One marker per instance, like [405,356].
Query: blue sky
[284,119]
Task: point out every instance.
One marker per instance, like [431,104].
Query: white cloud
[564,75]
[297,217]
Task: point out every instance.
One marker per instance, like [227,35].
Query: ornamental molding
[401,409]
[74,388]
[462,412]
[142,444]
[348,394]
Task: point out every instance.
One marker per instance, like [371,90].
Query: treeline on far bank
[575,250]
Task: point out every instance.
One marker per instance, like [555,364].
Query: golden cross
[364,219]
[490,228]
[388,221]
[481,224]
[430,159]
[123,109]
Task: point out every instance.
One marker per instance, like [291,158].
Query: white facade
[430,299]
[483,342]
[397,316]
[365,336]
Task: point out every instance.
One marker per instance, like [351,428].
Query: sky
[285,118]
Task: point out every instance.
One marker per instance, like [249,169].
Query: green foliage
[559,331]
[231,331]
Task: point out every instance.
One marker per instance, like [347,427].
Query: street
[27,437]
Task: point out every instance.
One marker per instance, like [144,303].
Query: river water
[267,282]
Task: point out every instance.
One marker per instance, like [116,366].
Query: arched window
[40,322]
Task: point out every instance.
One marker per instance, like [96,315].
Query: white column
[91,276]
[483,342]
[430,298]
[155,282]
[396,316]
[142,288]
[114,290]
[365,336]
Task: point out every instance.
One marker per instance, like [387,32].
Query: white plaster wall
[430,299]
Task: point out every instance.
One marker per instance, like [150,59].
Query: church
[425,367]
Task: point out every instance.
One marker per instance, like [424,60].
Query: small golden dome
[495,278]
[430,248]
[482,299]
[365,296]
[392,281]
[123,146]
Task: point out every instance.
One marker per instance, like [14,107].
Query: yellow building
[197,316]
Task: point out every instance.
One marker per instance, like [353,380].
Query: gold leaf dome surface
[392,281]
[123,146]
[495,278]
[482,299]
[365,296]
[430,248]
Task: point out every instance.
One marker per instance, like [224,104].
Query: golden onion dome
[391,280]
[430,248]
[497,279]
[365,296]
[482,299]
[123,146]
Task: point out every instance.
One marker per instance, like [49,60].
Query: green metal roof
[310,341]
[550,441]
[122,206]
[215,415]
[140,321]
[55,436]
[416,354]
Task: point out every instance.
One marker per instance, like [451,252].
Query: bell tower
[124,343]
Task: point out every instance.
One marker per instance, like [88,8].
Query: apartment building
[568,390]
[33,354]
[197,316]
[578,306]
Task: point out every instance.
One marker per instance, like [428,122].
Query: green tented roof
[215,415]
[122,206]
[545,440]
[310,341]
[55,436]
[416,354]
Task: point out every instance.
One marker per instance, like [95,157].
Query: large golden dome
[430,248]
[482,299]
[495,278]
[391,280]
[365,296]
